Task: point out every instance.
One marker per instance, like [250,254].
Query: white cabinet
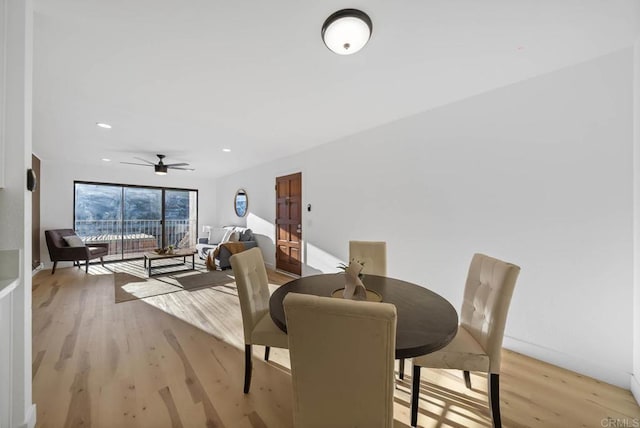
[9,281]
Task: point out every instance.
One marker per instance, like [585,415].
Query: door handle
[299,230]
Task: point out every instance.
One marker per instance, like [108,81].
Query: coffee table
[184,253]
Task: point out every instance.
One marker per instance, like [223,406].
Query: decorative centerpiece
[345,267]
[353,287]
[161,251]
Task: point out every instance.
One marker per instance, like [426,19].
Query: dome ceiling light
[346,31]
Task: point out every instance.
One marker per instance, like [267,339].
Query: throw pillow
[234,237]
[247,235]
[227,235]
[73,241]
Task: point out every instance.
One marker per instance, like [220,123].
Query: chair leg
[266,353]
[401,369]
[54,268]
[102,261]
[415,391]
[467,378]
[247,368]
[494,399]
[86,266]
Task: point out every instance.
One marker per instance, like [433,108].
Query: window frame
[137,186]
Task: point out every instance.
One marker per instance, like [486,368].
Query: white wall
[15,212]
[538,173]
[635,378]
[56,203]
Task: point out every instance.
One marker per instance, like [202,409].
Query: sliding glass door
[142,225]
[135,219]
[181,218]
[98,215]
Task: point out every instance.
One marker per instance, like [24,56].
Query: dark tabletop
[426,321]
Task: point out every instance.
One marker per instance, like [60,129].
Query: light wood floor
[176,360]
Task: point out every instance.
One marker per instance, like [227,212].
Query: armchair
[61,251]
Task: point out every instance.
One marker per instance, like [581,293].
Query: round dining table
[426,321]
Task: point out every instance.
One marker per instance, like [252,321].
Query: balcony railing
[132,238]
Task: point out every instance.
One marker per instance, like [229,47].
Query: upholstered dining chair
[342,354]
[478,343]
[253,291]
[371,254]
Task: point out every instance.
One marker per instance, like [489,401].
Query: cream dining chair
[371,254]
[373,257]
[253,291]
[477,346]
[342,356]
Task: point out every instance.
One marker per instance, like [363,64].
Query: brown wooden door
[289,223]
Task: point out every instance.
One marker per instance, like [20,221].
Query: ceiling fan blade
[144,160]
[131,163]
[176,164]
[184,169]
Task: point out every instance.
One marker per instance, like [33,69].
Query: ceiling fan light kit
[161,168]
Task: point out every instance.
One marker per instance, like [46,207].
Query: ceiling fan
[161,167]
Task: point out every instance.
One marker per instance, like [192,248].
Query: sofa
[241,238]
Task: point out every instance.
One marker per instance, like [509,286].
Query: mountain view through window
[129,218]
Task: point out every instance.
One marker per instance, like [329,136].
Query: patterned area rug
[131,281]
[206,279]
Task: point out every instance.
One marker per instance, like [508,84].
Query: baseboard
[30,421]
[570,362]
[37,269]
[289,274]
[635,388]
[270,266]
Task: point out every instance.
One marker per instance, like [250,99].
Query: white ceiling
[190,77]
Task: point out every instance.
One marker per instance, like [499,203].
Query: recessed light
[226,150]
[103,125]
[106,159]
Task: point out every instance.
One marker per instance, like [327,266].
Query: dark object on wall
[35,216]
[60,251]
[32,180]
[309,207]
